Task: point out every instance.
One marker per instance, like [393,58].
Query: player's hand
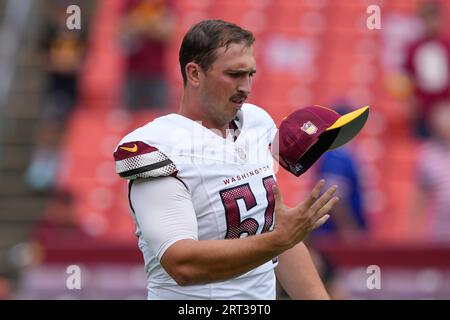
[292,225]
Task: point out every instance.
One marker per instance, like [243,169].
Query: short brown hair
[204,38]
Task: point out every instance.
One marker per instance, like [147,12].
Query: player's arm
[190,261]
[298,276]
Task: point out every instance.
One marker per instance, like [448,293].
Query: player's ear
[193,73]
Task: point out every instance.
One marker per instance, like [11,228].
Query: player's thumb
[278,196]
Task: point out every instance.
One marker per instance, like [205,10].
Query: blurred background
[67,97]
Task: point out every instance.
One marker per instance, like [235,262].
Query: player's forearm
[192,262]
[298,275]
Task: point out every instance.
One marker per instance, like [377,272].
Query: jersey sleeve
[138,159]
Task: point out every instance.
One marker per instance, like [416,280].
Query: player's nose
[245,85]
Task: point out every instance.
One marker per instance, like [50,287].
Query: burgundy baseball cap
[309,132]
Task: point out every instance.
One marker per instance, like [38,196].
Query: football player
[209,217]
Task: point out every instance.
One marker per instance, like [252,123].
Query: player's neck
[191,110]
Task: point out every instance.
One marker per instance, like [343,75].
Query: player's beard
[224,114]
[231,108]
[220,113]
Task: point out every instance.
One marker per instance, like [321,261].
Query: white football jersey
[230,181]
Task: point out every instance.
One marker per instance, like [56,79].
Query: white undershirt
[164,212]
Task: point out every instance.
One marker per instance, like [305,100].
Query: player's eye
[241,74]
[236,75]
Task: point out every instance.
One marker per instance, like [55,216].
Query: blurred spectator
[146,27]
[428,66]
[347,223]
[431,203]
[62,53]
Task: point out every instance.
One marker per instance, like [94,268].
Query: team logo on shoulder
[309,128]
[133,149]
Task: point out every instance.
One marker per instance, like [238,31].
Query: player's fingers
[325,209]
[312,196]
[324,198]
[321,221]
[278,197]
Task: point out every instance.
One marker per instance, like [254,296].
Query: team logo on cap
[309,128]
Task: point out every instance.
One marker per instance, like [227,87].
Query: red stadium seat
[89,143]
